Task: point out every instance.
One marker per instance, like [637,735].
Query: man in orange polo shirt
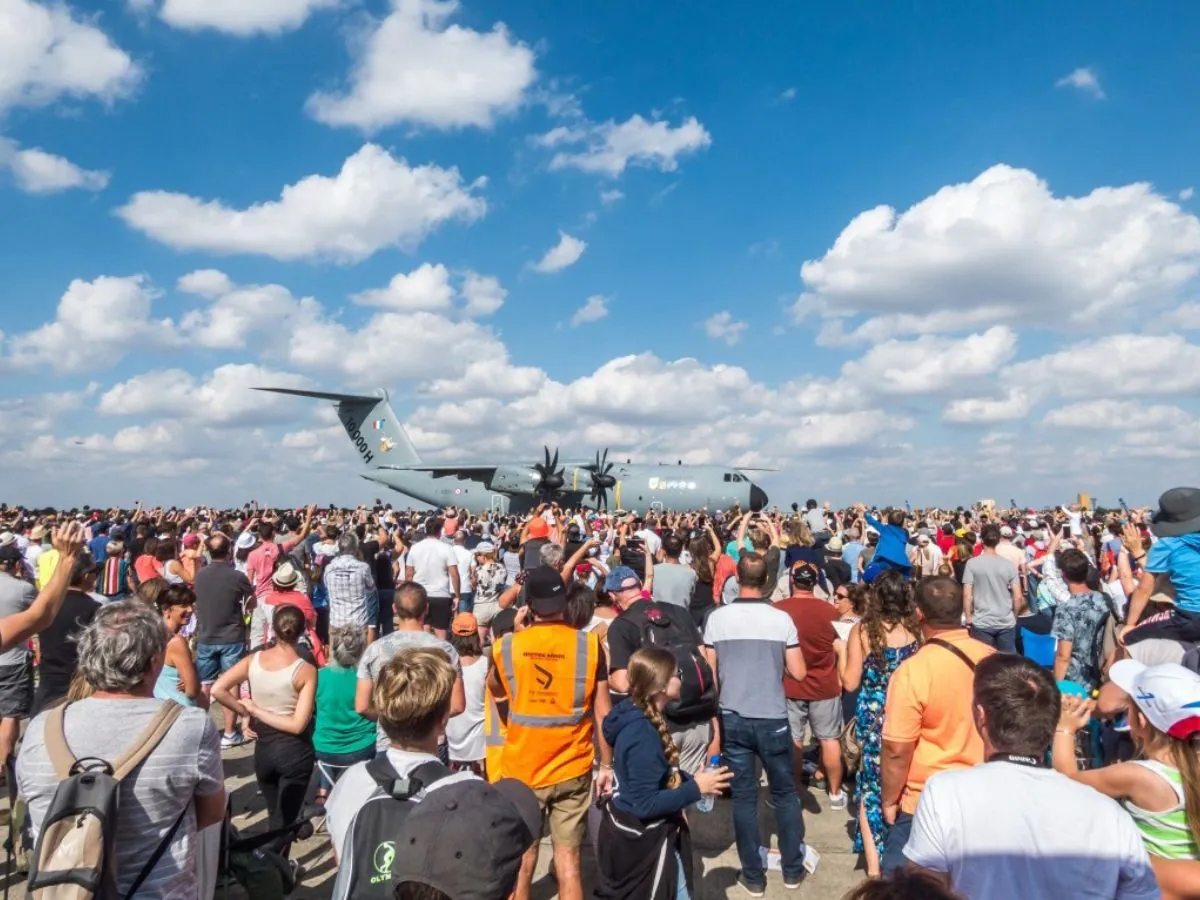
[928,724]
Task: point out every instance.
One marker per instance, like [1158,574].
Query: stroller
[254,861]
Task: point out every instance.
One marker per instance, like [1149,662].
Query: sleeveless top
[167,687]
[1166,834]
[273,689]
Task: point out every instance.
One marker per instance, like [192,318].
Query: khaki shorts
[566,805]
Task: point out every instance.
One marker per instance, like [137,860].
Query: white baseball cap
[1167,694]
[1005,531]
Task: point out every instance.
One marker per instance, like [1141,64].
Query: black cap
[466,839]
[805,575]
[504,622]
[10,553]
[545,591]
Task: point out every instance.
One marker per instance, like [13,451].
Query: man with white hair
[178,790]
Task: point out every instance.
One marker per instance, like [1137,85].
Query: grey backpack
[75,854]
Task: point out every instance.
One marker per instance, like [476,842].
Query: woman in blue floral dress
[887,635]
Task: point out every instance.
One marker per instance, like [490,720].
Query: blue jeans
[898,835]
[1003,639]
[770,742]
[213,660]
[681,892]
[466,601]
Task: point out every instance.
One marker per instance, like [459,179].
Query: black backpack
[369,850]
[671,627]
[75,854]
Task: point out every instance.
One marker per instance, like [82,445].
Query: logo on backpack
[382,859]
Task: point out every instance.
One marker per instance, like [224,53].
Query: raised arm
[20,627]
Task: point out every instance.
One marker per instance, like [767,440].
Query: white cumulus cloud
[205,283]
[221,398]
[375,201]
[931,364]
[1083,79]
[419,67]
[39,172]
[1119,365]
[988,410]
[46,53]
[825,431]
[426,287]
[608,148]
[595,309]
[563,254]
[484,295]
[241,17]
[1003,249]
[722,327]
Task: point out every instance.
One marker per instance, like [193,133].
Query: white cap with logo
[1167,694]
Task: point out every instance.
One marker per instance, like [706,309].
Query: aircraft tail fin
[370,423]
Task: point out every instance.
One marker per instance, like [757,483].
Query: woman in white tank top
[283,690]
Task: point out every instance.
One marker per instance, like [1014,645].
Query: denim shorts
[213,660]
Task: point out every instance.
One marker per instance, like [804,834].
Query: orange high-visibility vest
[549,676]
[494,731]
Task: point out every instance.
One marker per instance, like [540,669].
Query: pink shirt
[260,564]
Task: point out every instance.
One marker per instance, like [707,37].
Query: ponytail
[650,672]
[1186,756]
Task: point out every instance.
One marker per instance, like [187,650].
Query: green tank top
[1166,834]
[339,728]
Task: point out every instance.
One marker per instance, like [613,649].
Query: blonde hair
[650,672]
[412,694]
[1185,756]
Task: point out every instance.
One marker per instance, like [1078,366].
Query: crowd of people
[1004,702]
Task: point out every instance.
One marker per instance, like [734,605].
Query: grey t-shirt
[380,653]
[991,578]
[673,584]
[15,596]
[185,765]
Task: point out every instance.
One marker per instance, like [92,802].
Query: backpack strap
[55,740]
[156,855]
[955,650]
[419,779]
[154,732]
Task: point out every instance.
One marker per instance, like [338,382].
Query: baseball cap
[804,574]
[504,622]
[485,547]
[10,553]
[1167,694]
[464,624]
[545,591]
[1005,531]
[6,538]
[191,540]
[615,580]
[538,528]
[497,822]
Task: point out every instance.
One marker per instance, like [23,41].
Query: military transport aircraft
[385,448]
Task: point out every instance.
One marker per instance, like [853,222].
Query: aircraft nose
[758,498]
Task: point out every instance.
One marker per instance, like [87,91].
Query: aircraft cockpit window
[728,476]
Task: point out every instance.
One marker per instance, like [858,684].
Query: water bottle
[707,801]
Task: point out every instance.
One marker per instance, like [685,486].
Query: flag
[377,424]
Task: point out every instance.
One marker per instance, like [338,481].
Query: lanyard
[1016,759]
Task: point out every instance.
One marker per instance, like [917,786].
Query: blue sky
[728,285]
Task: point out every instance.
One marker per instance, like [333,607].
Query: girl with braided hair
[642,829]
[888,634]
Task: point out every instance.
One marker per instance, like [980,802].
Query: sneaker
[753,890]
[837,801]
[229,741]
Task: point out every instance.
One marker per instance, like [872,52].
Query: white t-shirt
[431,561]
[356,786]
[466,561]
[1003,830]
[464,732]
[652,541]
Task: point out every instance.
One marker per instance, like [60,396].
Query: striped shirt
[1166,834]
[186,764]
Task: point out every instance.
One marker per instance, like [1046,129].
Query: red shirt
[147,567]
[814,620]
[944,542]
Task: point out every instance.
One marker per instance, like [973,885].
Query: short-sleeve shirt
[1081,621]
[15,596]
[1180,558]
[220,592]
[673,583]
[751,637]
[929,701]
[431,562]
[382,651]
[991,577]
[814,620]
[186,764]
